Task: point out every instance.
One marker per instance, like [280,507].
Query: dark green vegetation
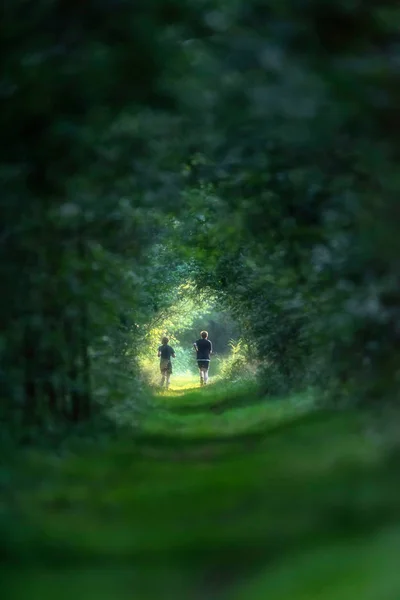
[158,156]
[251,149]
[243,500]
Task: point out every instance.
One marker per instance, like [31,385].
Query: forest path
[222,494]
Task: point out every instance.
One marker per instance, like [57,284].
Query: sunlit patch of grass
[211,421]
[180,384]
[187,392]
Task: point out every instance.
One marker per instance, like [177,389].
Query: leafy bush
[238,364]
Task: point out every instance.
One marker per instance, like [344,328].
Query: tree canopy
[169,166]
[249,147]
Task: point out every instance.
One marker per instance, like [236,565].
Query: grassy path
[223,494]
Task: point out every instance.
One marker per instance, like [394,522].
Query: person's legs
[164,371]
[168,378]
[168,374]
[203,368]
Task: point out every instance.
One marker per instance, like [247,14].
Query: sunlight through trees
[170,166]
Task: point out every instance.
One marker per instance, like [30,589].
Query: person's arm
[173,353]
[195,348]
[210,347]
[159,352]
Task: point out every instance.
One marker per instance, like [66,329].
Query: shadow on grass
[254,435]
[217,397]
[176,392]
[219,406]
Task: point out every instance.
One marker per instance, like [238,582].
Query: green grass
[222,494]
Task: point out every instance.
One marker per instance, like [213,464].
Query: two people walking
[203,349]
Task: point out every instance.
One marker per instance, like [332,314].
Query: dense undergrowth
[221,494]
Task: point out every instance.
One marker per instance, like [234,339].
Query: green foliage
[297,188]
[254,147]
[178,306]
[174,165]
[238,364]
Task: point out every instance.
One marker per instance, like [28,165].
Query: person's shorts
[203,364]
[165,366]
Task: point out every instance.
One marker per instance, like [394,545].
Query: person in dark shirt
[164,353]
[203,348]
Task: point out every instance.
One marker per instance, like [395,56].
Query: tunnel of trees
[249,149]
[174,165]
